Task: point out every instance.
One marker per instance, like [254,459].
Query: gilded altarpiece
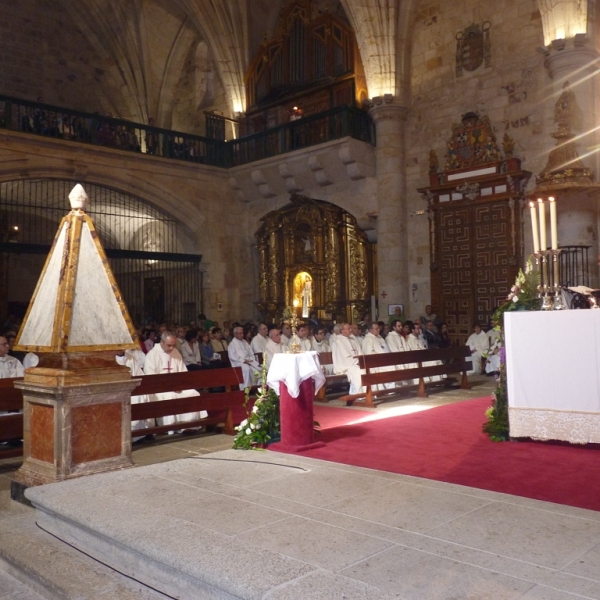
[475,217]
[314,240]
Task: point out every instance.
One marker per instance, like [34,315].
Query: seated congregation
[374,358]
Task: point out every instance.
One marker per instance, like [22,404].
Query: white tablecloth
[293,369]
[553,374]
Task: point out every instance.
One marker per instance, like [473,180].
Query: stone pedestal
[392,252]
[75,422]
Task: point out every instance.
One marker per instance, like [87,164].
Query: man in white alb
[319,343]
[335,334]
[416,343]
[345,353]
[356,334]
[135,359]
[375,344]
[395,340]
[241,355]
[302,333]
[286,334]
[479,343]
[9,365]
[396,343]
[259,341]
[273,345]
[165,358]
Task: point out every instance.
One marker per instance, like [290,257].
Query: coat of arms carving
[473,47]
[473,143]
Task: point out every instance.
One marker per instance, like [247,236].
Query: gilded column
[392,251]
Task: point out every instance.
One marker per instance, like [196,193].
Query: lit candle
[553,224]
[542,210]
[534,228]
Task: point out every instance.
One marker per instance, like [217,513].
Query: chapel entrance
[314,257]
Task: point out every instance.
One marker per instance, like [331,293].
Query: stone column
[576,60]
[392,247]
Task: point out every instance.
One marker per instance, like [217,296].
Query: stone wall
[514,92]
[44,55]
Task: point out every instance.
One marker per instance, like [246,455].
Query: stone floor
[348,532]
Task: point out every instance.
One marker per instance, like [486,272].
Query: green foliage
[262,423]
[523,296]
[497,424]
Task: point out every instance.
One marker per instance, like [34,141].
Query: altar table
[553,375]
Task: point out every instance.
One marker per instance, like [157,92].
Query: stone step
[34,565]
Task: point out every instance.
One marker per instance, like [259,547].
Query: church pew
[454,360]
[11,425]
[326,358]
[218,404]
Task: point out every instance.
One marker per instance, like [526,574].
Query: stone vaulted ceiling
[144,43]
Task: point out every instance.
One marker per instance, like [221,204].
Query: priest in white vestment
[134,359]
[345,352]
[259,341]
[273,346]
[305,343]
[416,343]
[165,358]
[286,335]
[335,334]
[241,355]
[357,335]
[492,365]
[397,343]
[9,365]
[479,343]
[320,345]
[375,344]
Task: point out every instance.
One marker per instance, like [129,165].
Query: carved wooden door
[476,262]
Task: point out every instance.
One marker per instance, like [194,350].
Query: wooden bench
[454,360]
[11,425]
[326,358]
[218,404]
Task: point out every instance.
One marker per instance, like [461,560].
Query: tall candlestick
[542,211]
[534,228]
[553,224]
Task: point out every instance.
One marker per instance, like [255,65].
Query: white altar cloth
[553,374]
[293,369]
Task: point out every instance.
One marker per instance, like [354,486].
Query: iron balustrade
[61,123]
[327,126]
[574,265]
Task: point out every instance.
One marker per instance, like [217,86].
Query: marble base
[75,423]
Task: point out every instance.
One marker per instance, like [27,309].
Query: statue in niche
[303,293]
[304,244]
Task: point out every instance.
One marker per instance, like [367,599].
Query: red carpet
[447,444]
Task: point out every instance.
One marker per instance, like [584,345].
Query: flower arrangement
[262,421]
[523,296]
